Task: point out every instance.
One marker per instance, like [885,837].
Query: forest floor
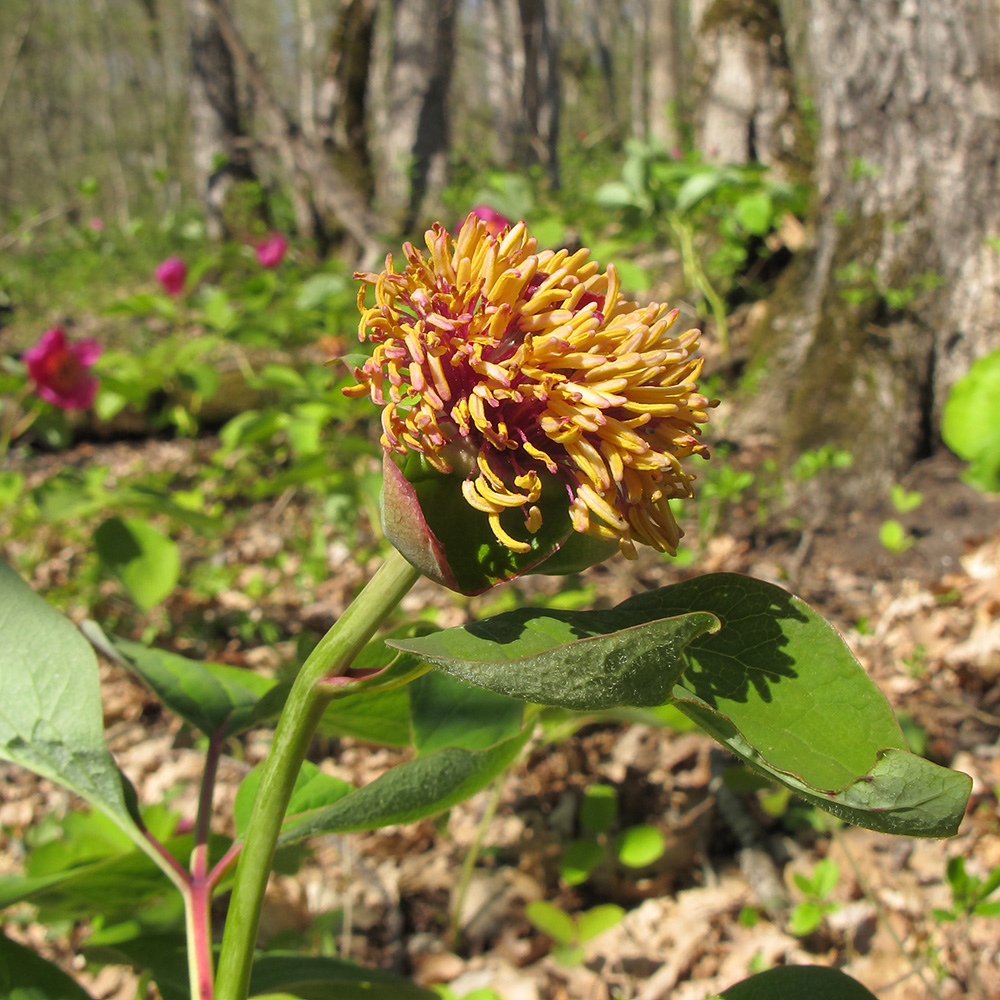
[926,625]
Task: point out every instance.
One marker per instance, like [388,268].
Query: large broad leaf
[577,659]
[147,563]
[372,703]
[450,713]
[312,790]
[779,687]
[27,976]
[793,982]
[114,885]
[382,717]
[51,720]
[422,787]
[214,698]
[164,956]
[317,978]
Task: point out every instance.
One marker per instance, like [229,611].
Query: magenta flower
[96,224]
[172,274]
[495,222]
[272,251]
[61,370]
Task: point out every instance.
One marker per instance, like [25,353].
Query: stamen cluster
[502,362]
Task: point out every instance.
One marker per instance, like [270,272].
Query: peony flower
[495,222]
[96,224]
[171,274]
[272,251]
[525,381]
[61,370]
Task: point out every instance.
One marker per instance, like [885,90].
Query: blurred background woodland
[827,171]
[186,190]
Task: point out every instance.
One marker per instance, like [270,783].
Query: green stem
[298,722]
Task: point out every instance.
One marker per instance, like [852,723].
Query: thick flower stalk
[522,370]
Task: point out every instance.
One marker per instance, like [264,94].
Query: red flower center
[62,371]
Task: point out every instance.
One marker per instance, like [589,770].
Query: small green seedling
[808,914]
[969,893]
[905,500]
[569,933]
[894,536]
[634,847]
[484,993]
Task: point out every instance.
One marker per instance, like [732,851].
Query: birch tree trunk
[899,289]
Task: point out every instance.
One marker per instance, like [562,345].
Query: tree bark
[899,289]
[661,103]
[322,195]
[219,146]
[412,134]
[521,56]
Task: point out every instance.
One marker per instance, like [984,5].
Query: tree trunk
[413,138]
[322,195]
[899,289]
[521,56]
[342,97]
[661,102]
[541,84]
[219,148]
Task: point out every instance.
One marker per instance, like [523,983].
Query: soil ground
[715,906]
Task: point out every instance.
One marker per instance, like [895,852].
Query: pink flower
[61,370]
[172,274]
[96,224]
[272,251]
[495,222]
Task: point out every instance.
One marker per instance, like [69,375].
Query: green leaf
[579,859]
[597,920]
[793,982]
[550,920]
[698,186]
[408,792]
[11,485]
[113,885]
[577,659]
[320,978]
[450,713]
[210,696]
[826,874]
[753,213]
[312,790]
[598,808]
[778,686]
[382,717]
[51,720]
[375,706]
[163,955]
[147,563]
[806,917]
[25,975]
[640,845]
[970,423]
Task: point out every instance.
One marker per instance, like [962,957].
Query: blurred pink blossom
[172,274]
[272,251]
[96,224]
[495,222]
[61,370]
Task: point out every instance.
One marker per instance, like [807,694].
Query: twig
[38,220]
